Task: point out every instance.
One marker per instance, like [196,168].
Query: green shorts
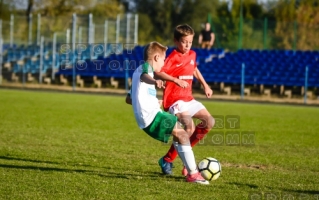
[161,127]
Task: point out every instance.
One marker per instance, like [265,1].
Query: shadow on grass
[314,192]
[108,174]
[38,161]
[243,184]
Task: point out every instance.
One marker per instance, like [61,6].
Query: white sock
[186,153]
[176,148]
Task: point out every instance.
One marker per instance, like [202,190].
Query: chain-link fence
[23,30]
[39,45]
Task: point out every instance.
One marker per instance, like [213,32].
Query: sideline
[122,92]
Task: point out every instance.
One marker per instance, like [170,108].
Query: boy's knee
[211,125]
[208,123]
[181,136]
[190,131]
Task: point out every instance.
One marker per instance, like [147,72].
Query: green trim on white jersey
[147,68]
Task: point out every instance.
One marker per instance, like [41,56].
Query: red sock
[198,134]
[171,154]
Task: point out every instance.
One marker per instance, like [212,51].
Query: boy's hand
[160,102]
[159,84]
[208,92]
[128,100]
[181,83]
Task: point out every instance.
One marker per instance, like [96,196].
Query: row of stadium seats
[267,67]
[226,68]
[262,72]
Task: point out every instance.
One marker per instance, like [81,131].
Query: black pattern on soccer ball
[209,163]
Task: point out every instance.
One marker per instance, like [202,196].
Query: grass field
[78,146]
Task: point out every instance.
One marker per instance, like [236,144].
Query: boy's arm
[212,38]
[128,99]
[146,78]
[166,77]
[201,79]
[200,39]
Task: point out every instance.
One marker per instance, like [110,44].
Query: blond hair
[183,30]
[153,48]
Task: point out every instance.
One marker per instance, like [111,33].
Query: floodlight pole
[39,29]
[73,47]
[30,29]
[67,43]
[117,37]
[92,41]
[90,29]
[93,33]
[128,24]
[11,29]
[41,59]
[136,29]
[53,56]
[105,37]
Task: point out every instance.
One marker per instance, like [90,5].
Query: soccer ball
[210,168]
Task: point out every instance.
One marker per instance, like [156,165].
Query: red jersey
[180,66]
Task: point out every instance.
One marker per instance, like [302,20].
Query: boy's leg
[197,110]
[166,124]
[183,148]
[181,139]
[161,129]
[188,124]
[206,124]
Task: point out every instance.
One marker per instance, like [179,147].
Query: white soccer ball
[210,168]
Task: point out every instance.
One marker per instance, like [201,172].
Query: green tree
[285,15]
[6,8]
[194,13]
[5,11]
[307,18]
[297,24]
[164,15]
[145,29]
[159,13]
[227,24]
[109,8]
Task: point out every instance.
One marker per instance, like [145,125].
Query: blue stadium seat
[269,67]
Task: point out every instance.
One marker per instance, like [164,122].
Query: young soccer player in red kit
[178,72]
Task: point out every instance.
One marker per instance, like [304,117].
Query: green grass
[76,146]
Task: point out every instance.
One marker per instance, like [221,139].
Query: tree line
[279,24]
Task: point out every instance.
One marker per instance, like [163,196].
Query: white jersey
[143,95]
